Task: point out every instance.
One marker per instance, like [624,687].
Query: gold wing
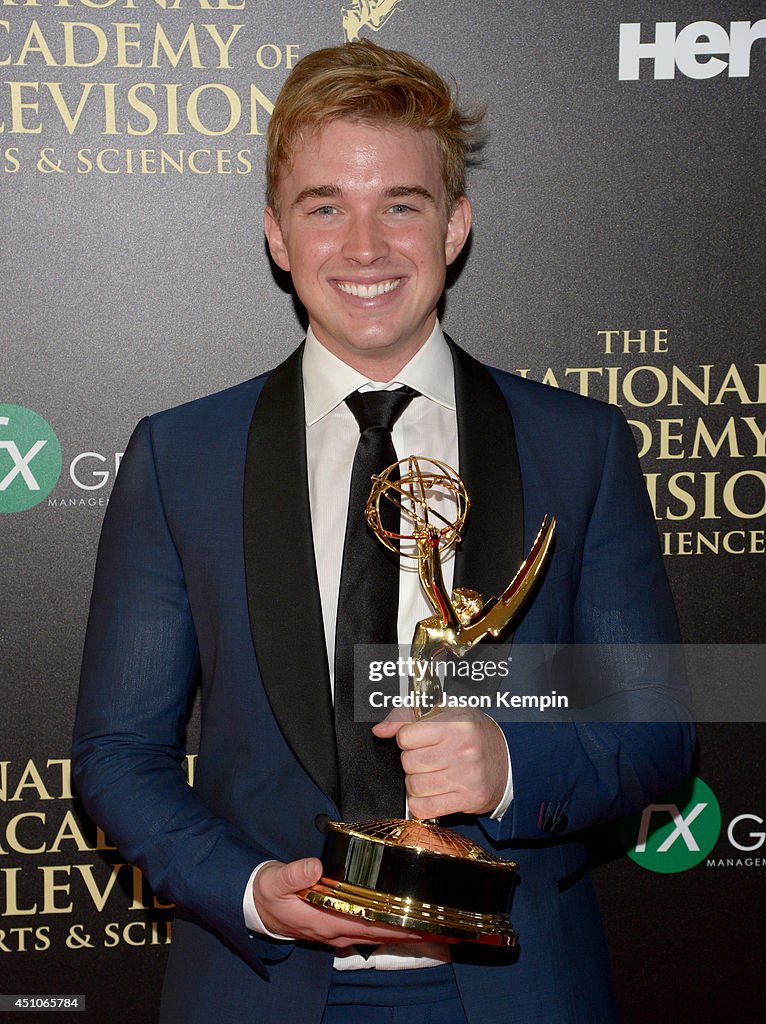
[497,613]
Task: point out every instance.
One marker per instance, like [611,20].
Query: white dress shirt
[427,427]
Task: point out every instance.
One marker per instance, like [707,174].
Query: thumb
[297,875]
[393,722]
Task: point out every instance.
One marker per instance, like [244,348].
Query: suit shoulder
[229,405]
[532,397]
[214,424]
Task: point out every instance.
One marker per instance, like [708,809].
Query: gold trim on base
[356,901]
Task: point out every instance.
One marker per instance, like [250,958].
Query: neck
[379,364]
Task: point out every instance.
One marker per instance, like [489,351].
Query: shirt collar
[327,380]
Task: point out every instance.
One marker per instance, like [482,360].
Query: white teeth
[368,291]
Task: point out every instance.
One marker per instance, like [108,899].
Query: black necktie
[371,779]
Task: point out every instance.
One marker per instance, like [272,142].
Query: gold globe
[430,497]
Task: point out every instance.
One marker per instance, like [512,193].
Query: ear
[458,229]
[274,237]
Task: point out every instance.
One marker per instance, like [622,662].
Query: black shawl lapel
[282,592]
[493,542]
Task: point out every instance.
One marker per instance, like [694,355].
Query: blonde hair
[364,82]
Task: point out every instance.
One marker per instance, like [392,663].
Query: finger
[436,806]
[393,722]
[374,935]
[428,784]
[414,735]
[425,759]
[287,879]
[459,733]
[336,929]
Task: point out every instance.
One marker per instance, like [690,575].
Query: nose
[365,240]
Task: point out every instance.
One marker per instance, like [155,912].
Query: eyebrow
[398,191]
[335,192]
[317,192]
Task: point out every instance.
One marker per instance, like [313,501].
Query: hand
[282,912]
[455,762]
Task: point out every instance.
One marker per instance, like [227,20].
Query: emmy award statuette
[415,873]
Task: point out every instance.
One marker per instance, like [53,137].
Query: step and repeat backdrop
[618,251]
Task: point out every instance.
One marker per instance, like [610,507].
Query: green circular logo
[30,458]
[674,834]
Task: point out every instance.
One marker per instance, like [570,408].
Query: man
[220,561]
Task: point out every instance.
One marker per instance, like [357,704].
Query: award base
[419,876]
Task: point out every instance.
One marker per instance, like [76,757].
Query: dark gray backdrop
[601,204]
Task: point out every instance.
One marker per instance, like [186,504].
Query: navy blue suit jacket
[206,573]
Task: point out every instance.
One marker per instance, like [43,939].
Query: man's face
[365,234]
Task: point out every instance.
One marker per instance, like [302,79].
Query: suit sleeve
[139,671]
[567,776]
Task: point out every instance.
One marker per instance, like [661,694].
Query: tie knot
[379,408]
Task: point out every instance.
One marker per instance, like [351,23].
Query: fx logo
[30,458]
[676,834]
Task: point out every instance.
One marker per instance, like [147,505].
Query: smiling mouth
[369,291]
